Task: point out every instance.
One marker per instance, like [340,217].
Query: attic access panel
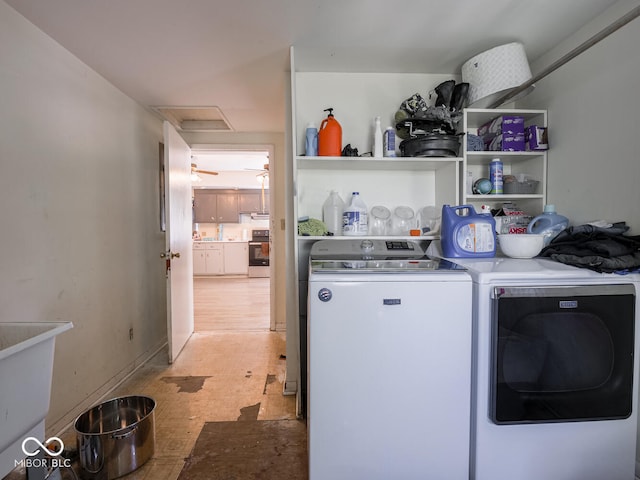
[195,119]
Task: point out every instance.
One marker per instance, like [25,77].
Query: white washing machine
[555,371]
[389,362]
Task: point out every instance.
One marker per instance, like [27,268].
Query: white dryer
[389,363]
[555,371]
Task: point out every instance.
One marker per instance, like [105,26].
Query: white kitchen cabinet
[215,259]
[208,258]
[533,164]
[236,258]
[220,258]
[199,259]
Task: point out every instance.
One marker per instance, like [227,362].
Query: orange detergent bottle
[330,136]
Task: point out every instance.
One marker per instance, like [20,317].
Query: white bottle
[332,211]
[377,139]
[355,220]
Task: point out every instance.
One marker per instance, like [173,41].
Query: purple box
[505,142]
[502,124]
[536,138]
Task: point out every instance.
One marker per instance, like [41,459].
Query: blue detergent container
[467,234]
[549,224]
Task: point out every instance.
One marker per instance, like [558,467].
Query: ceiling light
[262,179]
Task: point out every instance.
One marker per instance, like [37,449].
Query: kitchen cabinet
[236,258]
[208,258]
[213,206]
[251,202]
[199,259]
[225,206]
[532,164]
[220,258]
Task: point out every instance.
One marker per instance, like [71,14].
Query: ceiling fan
[263,178]
[196,170]
[264,172]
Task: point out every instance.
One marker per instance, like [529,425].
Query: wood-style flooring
[231,303]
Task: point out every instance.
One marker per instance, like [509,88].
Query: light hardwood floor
[231,303]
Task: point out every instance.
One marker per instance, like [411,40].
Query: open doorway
[235,295]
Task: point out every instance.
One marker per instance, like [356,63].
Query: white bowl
[521,245]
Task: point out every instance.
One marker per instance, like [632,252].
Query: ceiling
[235,54]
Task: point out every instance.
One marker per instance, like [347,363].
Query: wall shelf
[372,163]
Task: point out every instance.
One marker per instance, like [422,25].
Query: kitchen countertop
[221,241]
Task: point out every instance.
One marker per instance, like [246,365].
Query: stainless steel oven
[259,252]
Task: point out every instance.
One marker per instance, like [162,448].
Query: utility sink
[26,370]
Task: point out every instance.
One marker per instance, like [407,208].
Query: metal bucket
[115,437]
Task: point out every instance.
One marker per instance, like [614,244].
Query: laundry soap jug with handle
[549,224]
[355,220]
[330,136]
[332,211]
[467,234]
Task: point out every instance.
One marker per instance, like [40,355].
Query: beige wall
[80,231]
[593,104]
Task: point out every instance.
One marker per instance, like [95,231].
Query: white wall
[593,104]
[594,126]
[80,235]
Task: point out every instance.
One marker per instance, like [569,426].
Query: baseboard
[66,422]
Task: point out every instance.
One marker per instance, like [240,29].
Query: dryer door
[562,353]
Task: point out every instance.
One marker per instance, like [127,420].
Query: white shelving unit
[531,163]
[357,98]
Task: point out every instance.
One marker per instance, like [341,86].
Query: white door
[179,253]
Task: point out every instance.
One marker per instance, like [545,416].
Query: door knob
[169,255]
[174,255]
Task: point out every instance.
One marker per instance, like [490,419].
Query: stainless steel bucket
[115,437]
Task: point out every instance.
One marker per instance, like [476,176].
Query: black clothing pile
[603,249]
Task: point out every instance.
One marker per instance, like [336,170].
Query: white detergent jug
[549,224]
[355,219]
[332,211]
